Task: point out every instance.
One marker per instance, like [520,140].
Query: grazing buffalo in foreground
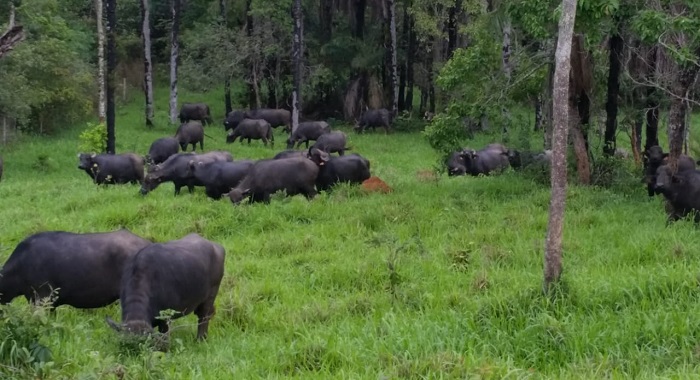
[181,275]
[255,129]
[331,142]
[276,117]
[492,158]
[295,175]
[191,132]
[176,169]
[306,131]
[107,169]
[195,111]
[373,119]
[681,190]
[654,157]
[161,149]
[352,168]
[221,176]
[84,269]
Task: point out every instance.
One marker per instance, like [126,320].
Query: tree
[227,82]
[101,102]
[111,72]
[553,245]
[12,36]
[615,46]
[296,58]
[147,61]
[391,6]
[174,53]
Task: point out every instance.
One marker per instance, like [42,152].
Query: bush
[94,138]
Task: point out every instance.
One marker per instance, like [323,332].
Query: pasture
[439,279]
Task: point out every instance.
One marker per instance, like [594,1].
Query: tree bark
[174,53]
[410,55]
[402,68]
[452,28]
[111,72]
[429,68]
[101,102]
[652,113]
[555,227]
[296,61]
[391,5]
[12,36]
[271,87]
[227,82]
[679,109]
[325,18]
[147,62]
[579,90]
[360,6]
[253,99]
[506,48]
[616,45]
[549,105]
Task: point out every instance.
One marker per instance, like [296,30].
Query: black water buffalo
[520,160]
[276,117]
[181,275]
[309,130]
[653,158]
[220,177]
[233,119]
[85,269]
[255,129]
[291,153]
[492,158]
[161,149]
[176,169]
[681,190]
[331,142]
[352,168]
[456,165]
[295,175]
[373,119]
[107,169]
[191,132]
[195,111]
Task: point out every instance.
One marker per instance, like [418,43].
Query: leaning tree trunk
[101,102]
[174,53]
[555,227]
[147,62]
[391,6]
[111,72]
[410,56]
[296,61]
[616,45]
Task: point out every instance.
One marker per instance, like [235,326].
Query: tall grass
[439,279]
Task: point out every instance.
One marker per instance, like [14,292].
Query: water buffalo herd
[93,270]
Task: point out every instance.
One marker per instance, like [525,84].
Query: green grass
[439,279]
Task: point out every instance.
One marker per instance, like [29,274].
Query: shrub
[94,138]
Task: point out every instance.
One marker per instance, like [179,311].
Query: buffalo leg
[309,193]
[204,312]
[162,326]
[201,145]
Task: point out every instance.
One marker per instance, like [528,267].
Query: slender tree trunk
[227,82]
[147,62]
[296,61]
[325,18]
[271,80]
[111,72]
[678,112]
[253,99]
[453,15]
[429,68]
[402,67]
[410,56]
[391,5]
[174,53]
[555,227]
[101,102]
[549,105]
[360,6]
[616,45]
[506,48]
[652,113]
[538,113]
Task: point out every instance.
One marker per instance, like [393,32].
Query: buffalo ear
[117,327]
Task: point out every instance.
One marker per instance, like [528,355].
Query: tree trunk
[679,109]
[101,102]
[579,90]
[227,82]
[360,6]
[616,45]
[549,105]
[391,6]
[147,62]
[506,48]
[325,18]
[12,36]
[249,25]
[538,113]
[174,53]
[296,62]
[111,72]
[555,227]
[452,28]
[429,69]
[652,114]
[402,68]
[410,55]
[271,87]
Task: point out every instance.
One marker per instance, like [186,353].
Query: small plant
[94,138]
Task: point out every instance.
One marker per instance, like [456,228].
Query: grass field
[439,279]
